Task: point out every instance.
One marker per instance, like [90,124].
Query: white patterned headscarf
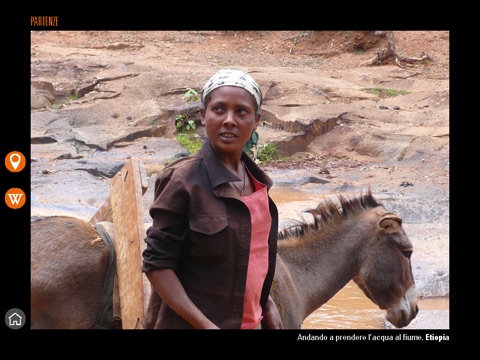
[230,77]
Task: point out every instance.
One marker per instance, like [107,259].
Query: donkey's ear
[390,223]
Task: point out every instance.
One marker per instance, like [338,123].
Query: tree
[390,54]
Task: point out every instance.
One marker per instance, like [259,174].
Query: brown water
[349,308]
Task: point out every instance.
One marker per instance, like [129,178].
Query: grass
[61,103]
[190,141]
[387,92]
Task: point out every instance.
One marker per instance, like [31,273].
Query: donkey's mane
[327,213]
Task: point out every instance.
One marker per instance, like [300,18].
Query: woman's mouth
[228,135]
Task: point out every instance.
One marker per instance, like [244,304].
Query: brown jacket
[201,229]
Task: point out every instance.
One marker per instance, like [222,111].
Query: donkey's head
[385,271]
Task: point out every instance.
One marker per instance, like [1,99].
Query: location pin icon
[15,163]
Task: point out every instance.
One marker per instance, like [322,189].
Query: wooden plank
[126,202]
[104,213]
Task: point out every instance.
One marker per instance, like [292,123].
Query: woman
[211,249]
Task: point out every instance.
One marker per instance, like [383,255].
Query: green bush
[186,135]
[264,152]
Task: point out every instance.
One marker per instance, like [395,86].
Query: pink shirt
[257,203]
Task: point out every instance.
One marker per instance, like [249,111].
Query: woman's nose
[229,118]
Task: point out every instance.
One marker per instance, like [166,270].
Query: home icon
[15,320]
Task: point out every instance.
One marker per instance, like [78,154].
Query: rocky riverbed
[99,98]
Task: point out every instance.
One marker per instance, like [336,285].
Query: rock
[43,95]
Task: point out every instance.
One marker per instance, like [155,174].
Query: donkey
[70,263]
[360,241]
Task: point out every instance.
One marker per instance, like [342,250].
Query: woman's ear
[257,121]
[202,115]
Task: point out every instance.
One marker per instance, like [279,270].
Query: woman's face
[230,118]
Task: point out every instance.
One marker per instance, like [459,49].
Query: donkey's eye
[407,253]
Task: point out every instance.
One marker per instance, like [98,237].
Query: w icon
[15,198]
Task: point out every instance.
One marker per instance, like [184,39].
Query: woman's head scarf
[230,77]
